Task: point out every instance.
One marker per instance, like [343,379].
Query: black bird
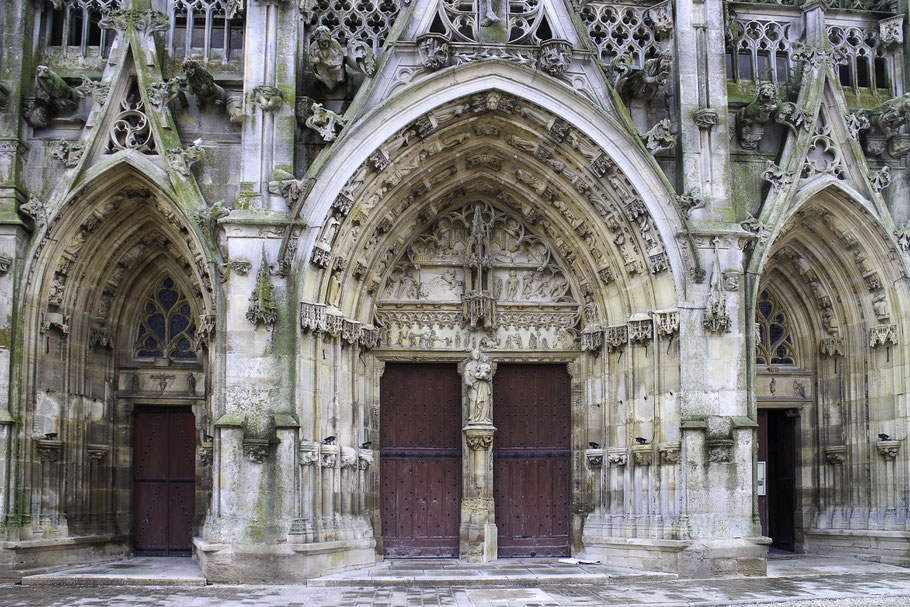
[884,436]
[641,441]
[51,435]
[209,438]
[594,445]
[328,440]
[365,445]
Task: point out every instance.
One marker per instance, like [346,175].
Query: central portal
[532,459]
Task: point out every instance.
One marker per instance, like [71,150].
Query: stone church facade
[292,287]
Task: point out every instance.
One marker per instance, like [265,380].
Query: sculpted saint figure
[478,377]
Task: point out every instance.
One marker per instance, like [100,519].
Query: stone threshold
[502,573]
[137,571]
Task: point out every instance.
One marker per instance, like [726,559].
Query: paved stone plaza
[800,581]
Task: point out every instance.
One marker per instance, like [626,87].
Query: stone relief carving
[642,83]
[317,117]
[69,153]
[182,159]
[659,137]
[555,57]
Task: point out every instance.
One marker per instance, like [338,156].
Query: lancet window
[865,63]
[207,29]
[76,23]
[758,49]
[774,340]
[166,327]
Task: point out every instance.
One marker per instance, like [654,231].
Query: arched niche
[95,261]
[837,273]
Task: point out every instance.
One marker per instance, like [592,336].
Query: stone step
[479,578]
[139,571]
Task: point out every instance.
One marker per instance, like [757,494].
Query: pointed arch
[546,100]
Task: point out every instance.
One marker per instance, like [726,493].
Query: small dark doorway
[777,454]
[532,459]
[420,459]
[164,480]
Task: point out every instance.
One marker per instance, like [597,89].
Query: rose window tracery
[166,326]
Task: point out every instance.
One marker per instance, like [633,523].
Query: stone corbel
[641,330]
[888,449]
[99,337]
[555,57]
[69,153]
[592,338]
[883,335]
[836,454]
[595,458]
[617,456]
[643,455]
[55,320]
[256,449]
[891,32]
[831,347]
[268,98]
[328,455]
[669,453]
[309,453]
[667,323]
[49,449]
[97,453]
[616,337]
[705,118]
[6,263]
[312,317]
[205,451]
[433,50]
[364,458]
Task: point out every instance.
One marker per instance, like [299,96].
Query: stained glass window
[774,342]
[166,326]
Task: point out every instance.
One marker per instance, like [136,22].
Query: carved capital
[643,455]
[256,449]
[617,456]
[479,438]
[888,449]
[836,454]
[49,449]
[720,450]
[595,458]
[670,453]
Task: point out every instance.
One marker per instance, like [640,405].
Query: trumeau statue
[478,377]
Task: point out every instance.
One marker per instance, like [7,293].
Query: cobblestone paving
[867,590]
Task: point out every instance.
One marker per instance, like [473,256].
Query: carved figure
[324,121]
[327,58]
[750,121]
[433,50]
[333,297]
[643,83]
[555,57]
[202,83]
[512,286]
[53,90]
[478,377]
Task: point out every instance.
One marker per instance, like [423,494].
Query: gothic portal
[292,287]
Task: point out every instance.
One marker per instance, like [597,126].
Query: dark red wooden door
[164,478]
[420,459]
[532,459]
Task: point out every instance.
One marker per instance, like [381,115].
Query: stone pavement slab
[137,571]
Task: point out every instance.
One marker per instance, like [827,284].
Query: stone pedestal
[478,543]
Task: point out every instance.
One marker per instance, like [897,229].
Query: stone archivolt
[561,192]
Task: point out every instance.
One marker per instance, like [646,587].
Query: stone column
[836,455]
[617,457]
[889,450]
[478,534]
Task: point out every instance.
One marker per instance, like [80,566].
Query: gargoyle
[885,123]
[203,84]
[52,96]
[324,121]
[751,119]
[642,83]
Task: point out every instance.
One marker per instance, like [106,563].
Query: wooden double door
[164,481]
[421,466]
